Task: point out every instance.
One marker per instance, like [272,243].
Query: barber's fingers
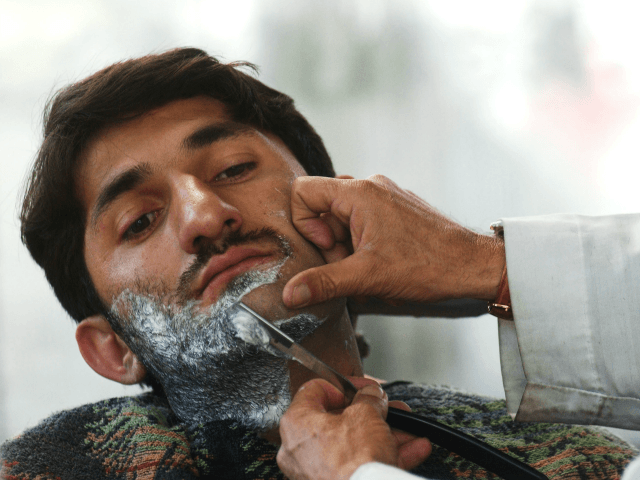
[413,453]
[339,230]
[400,405]
[338,252]
[371,399]
[320,395]
[354,223]
[412,450]
[312,198]
[354,206]
[317,395]
[343,278]
[337,241]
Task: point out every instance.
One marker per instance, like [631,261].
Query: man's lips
[224,268]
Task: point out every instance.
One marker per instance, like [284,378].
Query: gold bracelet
[501,306]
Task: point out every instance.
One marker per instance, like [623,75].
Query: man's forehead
[179,115]
[153,134]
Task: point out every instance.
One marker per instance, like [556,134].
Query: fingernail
[301,295]
[374,391]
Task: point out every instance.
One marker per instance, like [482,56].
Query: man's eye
[140,225]
[235,171]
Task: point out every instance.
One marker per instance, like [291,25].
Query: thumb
[315,285]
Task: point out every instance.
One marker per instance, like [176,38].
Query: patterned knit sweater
[140,438]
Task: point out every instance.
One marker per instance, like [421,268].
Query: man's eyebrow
[125,182]
[209,134]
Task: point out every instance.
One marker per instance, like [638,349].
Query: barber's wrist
[492,262]
[500,306]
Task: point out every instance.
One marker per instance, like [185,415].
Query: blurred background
[485,109]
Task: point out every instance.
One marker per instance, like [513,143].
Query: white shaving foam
[249,329]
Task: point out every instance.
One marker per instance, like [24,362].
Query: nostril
[198,241]
[230,222]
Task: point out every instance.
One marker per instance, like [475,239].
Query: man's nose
[202,215]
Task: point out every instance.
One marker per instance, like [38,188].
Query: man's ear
[106,353]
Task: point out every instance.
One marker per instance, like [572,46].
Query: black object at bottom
[464,445]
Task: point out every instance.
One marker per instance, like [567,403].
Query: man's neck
[334,343]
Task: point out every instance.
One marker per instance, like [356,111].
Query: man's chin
[245,384]
[208,373]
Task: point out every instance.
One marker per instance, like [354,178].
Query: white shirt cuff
[571,354]
[380,471]
[632,472]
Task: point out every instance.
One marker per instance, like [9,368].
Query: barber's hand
[386,242]
[321,441]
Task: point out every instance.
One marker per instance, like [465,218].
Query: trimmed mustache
[208,249]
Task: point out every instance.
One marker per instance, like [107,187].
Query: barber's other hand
[321,441]
[386,242]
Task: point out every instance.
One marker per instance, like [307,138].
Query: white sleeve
[572,354]
[632,472]
[380,471]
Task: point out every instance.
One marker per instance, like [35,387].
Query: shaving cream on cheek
[249,330]
[278,213]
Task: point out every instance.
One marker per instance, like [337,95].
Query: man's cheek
[277,204]
[279,215]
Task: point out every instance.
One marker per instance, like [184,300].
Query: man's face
[188,210]
[164,192]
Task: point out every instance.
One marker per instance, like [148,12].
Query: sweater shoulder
[98,440]
[557,450]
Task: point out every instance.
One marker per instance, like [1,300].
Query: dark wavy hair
[53,218]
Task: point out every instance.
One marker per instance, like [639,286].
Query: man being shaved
[160,197]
